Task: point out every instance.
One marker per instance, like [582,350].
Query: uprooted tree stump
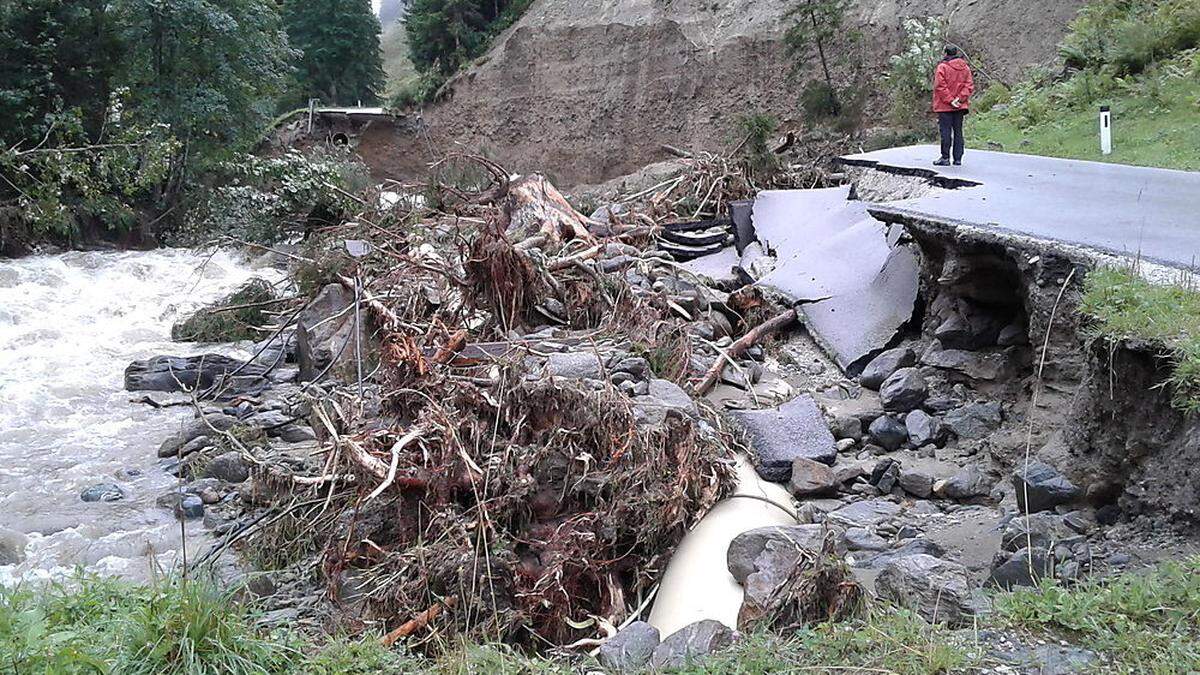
[533,206]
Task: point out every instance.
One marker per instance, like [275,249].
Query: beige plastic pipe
[697,584]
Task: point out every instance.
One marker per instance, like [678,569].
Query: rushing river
[69,324]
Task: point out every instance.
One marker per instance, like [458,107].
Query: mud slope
[589,90]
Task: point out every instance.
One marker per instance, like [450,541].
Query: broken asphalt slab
[1111,208]
[857,287]
[779,436]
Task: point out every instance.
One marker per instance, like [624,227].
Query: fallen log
[738,348]
[418,622]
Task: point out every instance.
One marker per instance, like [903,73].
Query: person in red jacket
[952,89]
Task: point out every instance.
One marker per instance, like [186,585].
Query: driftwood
[418,622]
[533,206]
[738,348]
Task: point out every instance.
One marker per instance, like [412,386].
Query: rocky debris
[692,643]
[186,505]
[1013,335]
[883,366]
[630,649]
[575,365]
[974,420]
[888,432]
[1042,659]
[663,399]
[189,437]
[862,539]
[1041,488]
[885,475]
[325,336]
[781,435]
[924,429]
[938,590]
[965,324]
[904,390]
[865,514]
[12,547]
[212,374]
[102,492]
[1024,567]
[847,427]
[746,548]
[916,483]
[1039,531]
[230,467]
[972,365]
[910,547]
[966,484]
[811,478]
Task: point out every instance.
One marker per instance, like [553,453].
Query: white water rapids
[69,324]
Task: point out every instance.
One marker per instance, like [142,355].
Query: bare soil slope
[590,90]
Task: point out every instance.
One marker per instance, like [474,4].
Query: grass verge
[1126,306]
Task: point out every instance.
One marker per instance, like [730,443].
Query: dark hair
[951,50]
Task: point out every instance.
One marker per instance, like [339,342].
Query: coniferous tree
[340,58]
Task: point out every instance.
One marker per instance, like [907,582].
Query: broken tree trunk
[533,206]
[738,348]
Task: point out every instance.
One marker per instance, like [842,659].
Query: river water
[69,324]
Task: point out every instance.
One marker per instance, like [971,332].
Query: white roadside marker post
[1105,130]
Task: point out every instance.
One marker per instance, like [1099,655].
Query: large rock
[1042,487]
[230,467]
[574,365]
[1025,567]
[780,436]
[212,374]
[974,420]
[909,548]
[1039,531]
[881,367]
[690,644]
[916,483]
[938,590]
[973,365]
[192,430]
[663,399]
[103,492]
[325,336]
[888,432]
[630,649]
[969,326]
[865,514]
[924,429]
[904,390]
[746,548]
[811,478]
[966,484]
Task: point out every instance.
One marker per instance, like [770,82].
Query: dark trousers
[951,126]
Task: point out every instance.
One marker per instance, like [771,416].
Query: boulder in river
[103,492]
[186,440]
[216,375]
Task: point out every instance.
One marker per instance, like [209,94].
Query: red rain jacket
[952,80]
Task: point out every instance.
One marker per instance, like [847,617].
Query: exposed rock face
[573,80]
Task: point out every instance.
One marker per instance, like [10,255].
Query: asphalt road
[1154,213]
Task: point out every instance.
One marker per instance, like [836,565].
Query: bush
[1135,45]
[819,100]
[758,131]
[991,97]
[909,80]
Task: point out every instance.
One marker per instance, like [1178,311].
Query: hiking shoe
[958,163]
[942,162]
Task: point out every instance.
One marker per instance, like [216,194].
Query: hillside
[589,91]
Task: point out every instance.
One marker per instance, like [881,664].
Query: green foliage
[1126,37]
[240,316]
[417,90]
[1145,622]
[444,35]
[909,80]
[816,24]
[269,199]
[819,100]
[340,59]
[1124,305]
[991,97]
[758,130]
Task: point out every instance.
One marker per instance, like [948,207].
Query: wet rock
[574,365]
[1025,567]
[193,430]
[663,399]
[102,492]
[296,433]
[910,547]
[904,390]
[691,644]
[780,436]
[888,432]
[746,548]
[847,427]
[811,478]
[230,467]
[938,590]
[882,366]
[916,483]
[974,365]
[1042,488]
[630,649]
[923,429]
[862,539]
[188,373]
[974,421]
[966,484]
[885,475]
[325,336]
[1040,531]
[864,514]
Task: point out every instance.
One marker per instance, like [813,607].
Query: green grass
[1145,622]
[1124,306]
[1153,125]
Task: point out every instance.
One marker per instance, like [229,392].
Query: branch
[738,348]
